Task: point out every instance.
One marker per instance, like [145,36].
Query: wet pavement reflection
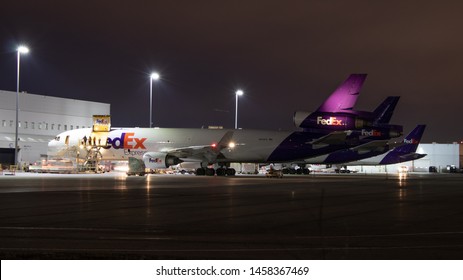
[355,216]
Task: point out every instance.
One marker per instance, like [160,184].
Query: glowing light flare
[23,49]
[239,92]
[148,186]
[155,76]
[402,180]
[214,145]
[121,178]
[231,145]
[121,168]
[402,193]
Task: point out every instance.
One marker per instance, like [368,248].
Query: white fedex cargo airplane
[163,147]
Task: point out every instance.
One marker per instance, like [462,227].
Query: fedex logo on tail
[411,141]
[126,141]
[329,121]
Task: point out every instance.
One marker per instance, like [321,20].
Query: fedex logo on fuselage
[330,121]
[126,141]
[371,132]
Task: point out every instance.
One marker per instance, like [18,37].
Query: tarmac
[335,216]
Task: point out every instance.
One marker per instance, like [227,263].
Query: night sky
[285,55]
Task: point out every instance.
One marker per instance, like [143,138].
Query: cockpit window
[57,138]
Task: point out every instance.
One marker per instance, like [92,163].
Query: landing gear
[205,171]
[210,172]
[219,171]
[298,171]
[231,172]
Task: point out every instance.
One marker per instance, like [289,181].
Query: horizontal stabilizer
[334,138]
[412,156]
[372,146]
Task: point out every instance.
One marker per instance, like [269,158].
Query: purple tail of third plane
[374,152]
[407,151]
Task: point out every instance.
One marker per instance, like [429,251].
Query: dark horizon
[285,57]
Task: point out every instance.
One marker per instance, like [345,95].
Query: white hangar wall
[41,118]
[438,155]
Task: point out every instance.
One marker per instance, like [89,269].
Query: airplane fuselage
[244,146]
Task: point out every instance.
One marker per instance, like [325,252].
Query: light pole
[20,50]
[154,76]
[237,93]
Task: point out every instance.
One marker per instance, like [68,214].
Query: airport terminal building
[40,119]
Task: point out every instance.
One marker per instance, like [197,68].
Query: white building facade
[442,157]
[41,118]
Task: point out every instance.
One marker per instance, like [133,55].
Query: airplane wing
[195,153]
[201,153]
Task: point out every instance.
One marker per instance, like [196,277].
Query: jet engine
[158,160]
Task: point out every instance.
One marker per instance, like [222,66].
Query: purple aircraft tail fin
[407,151]
[383,113]
[345,96]
[411,141]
